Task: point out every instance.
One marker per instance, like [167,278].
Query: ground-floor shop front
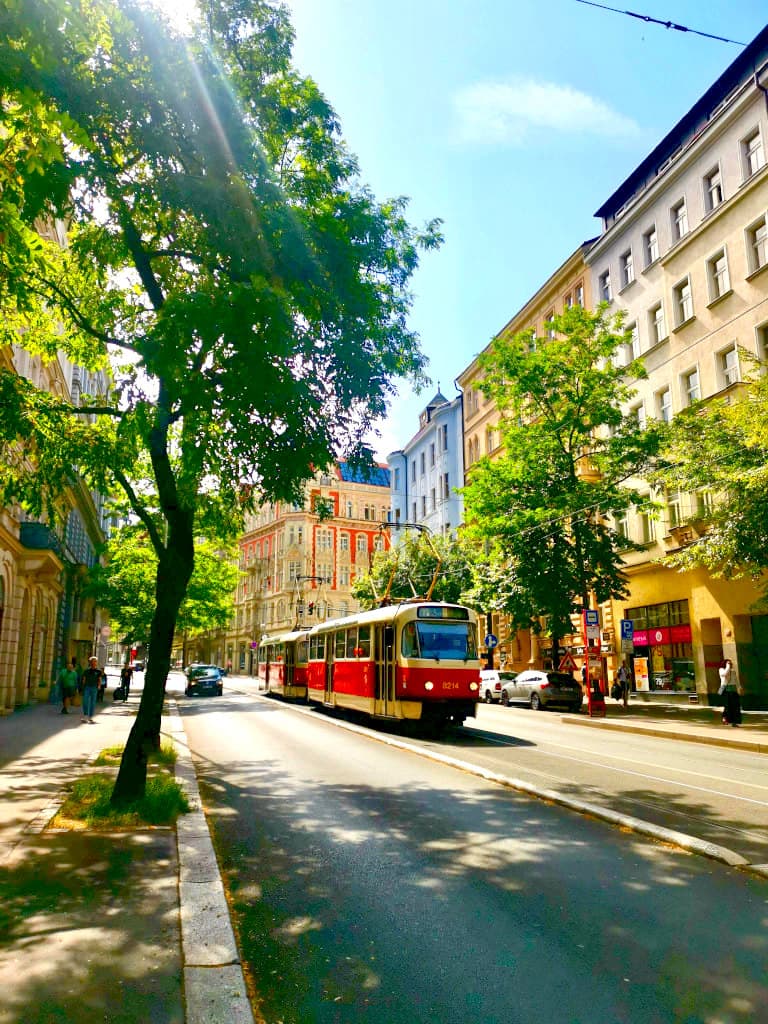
[682,627]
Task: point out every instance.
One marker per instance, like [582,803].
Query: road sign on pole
[490,641]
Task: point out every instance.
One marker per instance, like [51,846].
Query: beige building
[298,568]
[44,618]
[569,285]
[684,250]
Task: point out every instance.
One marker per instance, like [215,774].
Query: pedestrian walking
[67,680]
[90,683]
[126,677]
[729,689]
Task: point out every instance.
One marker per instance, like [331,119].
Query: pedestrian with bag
[67,680]
[126,677]
[90,682]
[729,690]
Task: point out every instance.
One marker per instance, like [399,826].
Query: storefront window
[663,655]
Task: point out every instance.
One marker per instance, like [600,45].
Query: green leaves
[543,511]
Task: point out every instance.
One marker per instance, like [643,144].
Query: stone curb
[642,730]
[664,835]
[214,984]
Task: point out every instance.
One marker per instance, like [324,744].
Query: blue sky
[512,121]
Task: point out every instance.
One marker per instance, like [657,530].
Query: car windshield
[203,670]
[508,675]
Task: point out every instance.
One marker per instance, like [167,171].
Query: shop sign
[661,635]
[681,634]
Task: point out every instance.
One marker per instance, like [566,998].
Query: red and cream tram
[283,664]
[417,660]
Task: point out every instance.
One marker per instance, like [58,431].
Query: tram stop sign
[490,640]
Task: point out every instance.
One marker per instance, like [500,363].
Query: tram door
[385,669]
[290,649]
[330,640]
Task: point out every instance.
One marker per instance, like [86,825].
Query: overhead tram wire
[658,21]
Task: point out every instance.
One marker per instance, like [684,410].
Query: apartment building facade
[425,473]
[299,561]
[569,285]
[684,250]
[45,620]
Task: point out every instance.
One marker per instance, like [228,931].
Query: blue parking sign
[627,629]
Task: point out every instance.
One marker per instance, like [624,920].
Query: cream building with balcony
[684,250]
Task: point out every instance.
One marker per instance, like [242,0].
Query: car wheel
[536,704]
[505,698]
[220,690]
[187,692]
[488,697]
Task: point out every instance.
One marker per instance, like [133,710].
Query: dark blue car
[204,680]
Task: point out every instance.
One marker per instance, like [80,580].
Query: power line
[658,21]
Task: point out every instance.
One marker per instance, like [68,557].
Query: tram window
[410,641]
[321,647]
[313,648]
[302,650]
[364,641]
[340,649]
[352,642]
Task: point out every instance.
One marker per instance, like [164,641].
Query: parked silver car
[541,689]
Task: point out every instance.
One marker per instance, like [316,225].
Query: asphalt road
[371,884]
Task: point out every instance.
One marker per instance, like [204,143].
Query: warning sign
[567,663]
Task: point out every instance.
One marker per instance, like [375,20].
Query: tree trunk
[173,573]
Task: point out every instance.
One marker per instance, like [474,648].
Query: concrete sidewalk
[679,722]
[111,926]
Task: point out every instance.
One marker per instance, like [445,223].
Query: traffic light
[310,608]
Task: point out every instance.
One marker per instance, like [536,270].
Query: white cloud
[508,112]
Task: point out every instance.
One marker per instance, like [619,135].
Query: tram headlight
[429,686]
[474,686]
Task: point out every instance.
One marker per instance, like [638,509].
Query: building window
[752,153]
[729,369]
[634,341]
[757,245]
[362,542]
[432,454]
[579,294]
[344,577]
[568,301]
[656,323]
[647,528]
[664,405]
[350,510]
[294,571]
[691,387]
[762,342]
[344,542]
[679,220]
[413,472]
[638,413]
[413,512]
[446,487]
[433,499]
[423,505]
[604,287]
[651,246]
[548,321]
[443,435]
[423,463]
[717,276]
[397,479]
[627,268]
[713,190]
[674,508]
[620,525]
[683,301]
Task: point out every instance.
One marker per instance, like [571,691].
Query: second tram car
[415,661]
[283,664]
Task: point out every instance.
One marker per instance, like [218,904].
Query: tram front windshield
[441,640]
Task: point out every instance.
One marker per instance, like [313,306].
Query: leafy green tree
[125,585]
[721,448]
[543,512]
[246,289]
[411,566]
